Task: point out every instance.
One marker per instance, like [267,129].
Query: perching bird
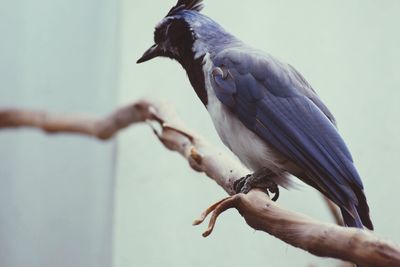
[263,110]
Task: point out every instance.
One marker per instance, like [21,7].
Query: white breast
[253,152]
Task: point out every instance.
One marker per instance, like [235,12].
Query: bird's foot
[260,179]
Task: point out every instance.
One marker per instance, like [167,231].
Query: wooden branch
[102,128]
[326,240]
[322,239]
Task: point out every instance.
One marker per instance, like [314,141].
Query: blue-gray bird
[264,111]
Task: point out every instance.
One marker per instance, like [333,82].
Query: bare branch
[102,128]
[326,240]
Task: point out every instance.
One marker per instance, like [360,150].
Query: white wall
[56,192]
[348,50]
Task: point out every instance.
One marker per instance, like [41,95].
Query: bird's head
[184,33]
[173,34]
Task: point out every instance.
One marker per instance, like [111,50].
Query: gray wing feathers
[273,100]
[264,67]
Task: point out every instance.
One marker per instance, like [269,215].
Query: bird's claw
[240,185]
[261,179]
[274,189]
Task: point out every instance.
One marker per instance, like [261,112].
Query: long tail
[358,215]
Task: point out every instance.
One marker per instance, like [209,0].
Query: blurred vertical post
[56,193]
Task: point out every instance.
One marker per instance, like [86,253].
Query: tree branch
[102,128]
[321,239]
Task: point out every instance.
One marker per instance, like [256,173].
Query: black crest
[195,5]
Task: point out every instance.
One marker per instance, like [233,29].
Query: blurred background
[73,201]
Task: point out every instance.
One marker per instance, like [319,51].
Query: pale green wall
[348,50]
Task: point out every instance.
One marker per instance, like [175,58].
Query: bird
[263,110]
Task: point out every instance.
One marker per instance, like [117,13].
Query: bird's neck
[194,70]
[207,37]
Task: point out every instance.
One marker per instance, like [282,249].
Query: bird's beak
[151,53]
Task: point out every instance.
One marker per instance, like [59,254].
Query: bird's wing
[275,102]
[305,88]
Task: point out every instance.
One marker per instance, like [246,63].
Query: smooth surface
[348,51]
[56,192]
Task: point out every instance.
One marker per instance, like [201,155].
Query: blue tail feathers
[357,215]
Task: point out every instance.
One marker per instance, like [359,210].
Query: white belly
[253,152]
[246,145]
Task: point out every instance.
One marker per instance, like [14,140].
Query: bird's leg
[260,179]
